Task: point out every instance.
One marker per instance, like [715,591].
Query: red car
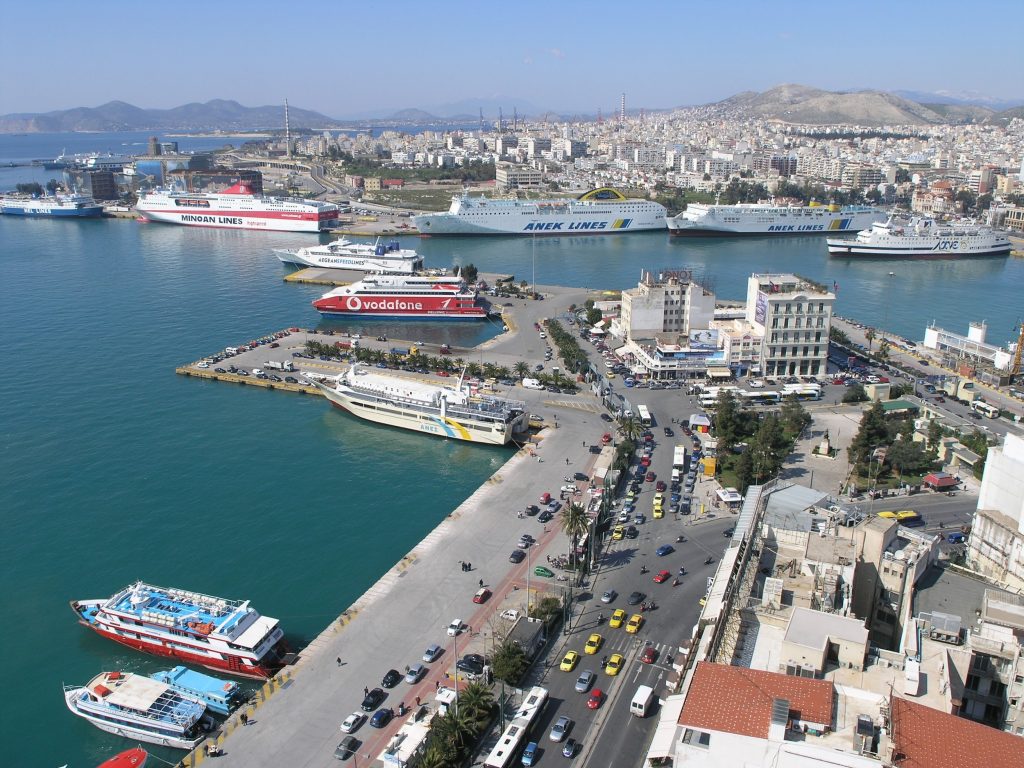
[545,498]
[482,595]
[596,697]
[645,461]
[650,477]
[650,655]
[660,486]
[662,576]
[443,373]
[648,438]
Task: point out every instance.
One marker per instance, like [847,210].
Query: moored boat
[73,206]
[226,635]
[361,257]
[421,297]
[922,238]
[138,708]
[220,696]
[706,220]
[130,758]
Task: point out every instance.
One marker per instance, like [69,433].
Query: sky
[355,58]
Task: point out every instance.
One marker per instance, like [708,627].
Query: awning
[940,480]
[719,373]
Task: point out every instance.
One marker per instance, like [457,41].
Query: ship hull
[417,422]
[128,731]
[89,212]
[288,256]
[855,250]
[269,221]
[825,223]
[415,307]
[448,225]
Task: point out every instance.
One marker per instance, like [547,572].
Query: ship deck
[147,698]
[175,607]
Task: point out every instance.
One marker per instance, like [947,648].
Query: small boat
[130,758]
[220,696]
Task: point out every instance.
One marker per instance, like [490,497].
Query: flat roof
[813,629]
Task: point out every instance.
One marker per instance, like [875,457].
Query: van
[675,475]
[232,350]
[642,701]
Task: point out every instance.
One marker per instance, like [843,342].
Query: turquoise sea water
[113,468]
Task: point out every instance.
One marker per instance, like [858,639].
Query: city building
[669,304]
[971,350]
[793,315]
[508,176]
[996,544]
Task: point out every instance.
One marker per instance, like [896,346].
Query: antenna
[501,121]
[515,121]
[287,132]
[481,119]
[599,118]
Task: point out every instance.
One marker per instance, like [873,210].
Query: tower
[287,133]
[515,122]
[622,109]
[501,120]
[481,121]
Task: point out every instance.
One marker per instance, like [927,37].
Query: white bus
[985,409]
[506,751]
[644,415]
[679,458]
[802,391]
[760,397]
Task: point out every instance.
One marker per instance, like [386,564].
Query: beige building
[508,176]
[996,544]
[672,304]
[793,316]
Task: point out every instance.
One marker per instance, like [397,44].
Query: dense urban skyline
[349,60]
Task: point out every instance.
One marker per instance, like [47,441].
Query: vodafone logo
[353,303]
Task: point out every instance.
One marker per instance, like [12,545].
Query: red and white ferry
[404,296]
[227,635]
[237,208]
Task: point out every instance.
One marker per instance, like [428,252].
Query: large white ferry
[600,211]
[361,257]
[139,708]
[227,635]
[703,220]
[237,208]
[59,206]
[421,297]
[922,238]
[417,405]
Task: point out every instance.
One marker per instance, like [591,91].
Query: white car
[352,722]
[202,364]
[257,372]
[510,614]
[457,627]
[757,385]
[543,335]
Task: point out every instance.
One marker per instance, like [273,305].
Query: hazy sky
[354,57]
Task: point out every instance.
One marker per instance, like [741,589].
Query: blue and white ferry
[140,709]
[58,206]
[220,696]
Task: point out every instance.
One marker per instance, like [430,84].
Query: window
[697,738]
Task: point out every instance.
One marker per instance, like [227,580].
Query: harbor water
[112,468]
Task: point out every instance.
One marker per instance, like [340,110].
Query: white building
[508,176]
[794,316]
[996,545]
[971,348]
[672,304]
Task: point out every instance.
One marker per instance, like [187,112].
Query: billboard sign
[761,308]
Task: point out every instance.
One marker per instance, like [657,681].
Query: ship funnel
[379,250]
[393,245]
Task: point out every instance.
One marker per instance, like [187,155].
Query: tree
[935,433]
[768,448]
[469,273]
[521,369]
[575,523]
[794,416]
[478,702]
[966,199]
[29,188]
[594,316]
[745,471]
[630,427]
[727,423]
[869,334]
[873,432]
[907,456]
[855,393]
[52,186]
[883,350]
[509,662]
[838,336]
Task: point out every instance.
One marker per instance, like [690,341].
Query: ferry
[130,758]
[59,206]
[220,696]
[137,708]
[404,296]
[704,220]
[237,208]
[423,407]
[922,238]
[212,632]
[362,257]
[599,211]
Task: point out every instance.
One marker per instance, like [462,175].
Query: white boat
[74,206]
[922,238]
[414,404]
[361,257]
[139,708]
[704,220]
[237,208]
[600,211]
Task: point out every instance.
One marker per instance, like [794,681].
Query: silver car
[609,596]
[584,681]
[560,728]
[416,671]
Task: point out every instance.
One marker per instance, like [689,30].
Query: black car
[635,598]
[632,532]
[532,509]
[219,370]
[669,432]
[469,666]
[475,658]
[391,679]
[605,417]
[517,556]
[545,516]
[373,700]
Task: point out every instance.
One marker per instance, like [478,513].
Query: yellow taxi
[887,515]
[658,511]
[618,533]
[635,622]
[614,664]
[594,643]
[659,499]
[907,514]
[569,661]
[618,618]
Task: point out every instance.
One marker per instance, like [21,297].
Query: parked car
[352,722]
[381,718]
[540,570]
[372,700]
[346,748]
[457,627]
[391,678]
[432,653]
[482,596]
[517,556]
[415,674]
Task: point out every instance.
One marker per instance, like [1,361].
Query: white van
[532,384]
[642,701]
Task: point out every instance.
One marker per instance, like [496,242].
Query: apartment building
[793,316]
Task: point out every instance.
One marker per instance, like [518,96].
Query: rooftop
[813,629]
[739,700]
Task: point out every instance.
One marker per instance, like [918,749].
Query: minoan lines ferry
[404,296]
[237,208]
[600,211]
[702,220]
[227,635]
[423,407]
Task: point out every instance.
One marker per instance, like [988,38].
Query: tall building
[794,316]
[670,304]
[996,544]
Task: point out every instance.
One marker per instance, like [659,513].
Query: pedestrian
[244,718]
[339,661]
[437,685]
[481,583]
[567,461]
[417,701]
[366,691]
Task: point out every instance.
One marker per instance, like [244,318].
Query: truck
[642,701]
[960,389]
[400,351]
[274,365]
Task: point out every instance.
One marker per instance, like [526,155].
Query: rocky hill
[218,114]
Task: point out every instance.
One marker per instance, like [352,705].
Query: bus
[802,391]
[760,397]
[708,402]
[714,392]
[506,751]
[644,415]
[985,409]
[679,458]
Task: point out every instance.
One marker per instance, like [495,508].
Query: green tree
[838,336]
[869,334]
[967,200]
[478,702]
[794,416]
[768,448]
[977,441]
[872,433]
[575,524]
[469,273]
[33,188]
[727,421]
[521,369]
[883,350]
[594,316]
[630,427]
[935,433]
[745,471]
[855,393]
[509,663]
[906,456]
[52,186]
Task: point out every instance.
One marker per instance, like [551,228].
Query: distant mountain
[1006,115]
[802,104]
[960,97]
[413,116]
[218,114]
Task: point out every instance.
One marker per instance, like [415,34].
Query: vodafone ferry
[404,296]
[361,257]
[237,208]
[226,635]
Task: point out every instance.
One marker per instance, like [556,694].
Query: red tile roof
[927,738]
[739,700]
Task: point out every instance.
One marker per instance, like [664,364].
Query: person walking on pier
[481,583]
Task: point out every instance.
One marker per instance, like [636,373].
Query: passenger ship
[703,220]
[362,257]
[417,405]
[404,296]
[140,709]
[226,635]
[600,211]
[59,206]
[922,238]
[237,208]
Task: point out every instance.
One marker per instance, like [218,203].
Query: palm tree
[501,372]
[630,427]
[521,369]
[477,700]
[489,371]
[870,335]
[473,369]
[434,757]
[458,363]
[456,729]
[575,523]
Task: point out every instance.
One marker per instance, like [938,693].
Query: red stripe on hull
[245,214]
[221,665]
